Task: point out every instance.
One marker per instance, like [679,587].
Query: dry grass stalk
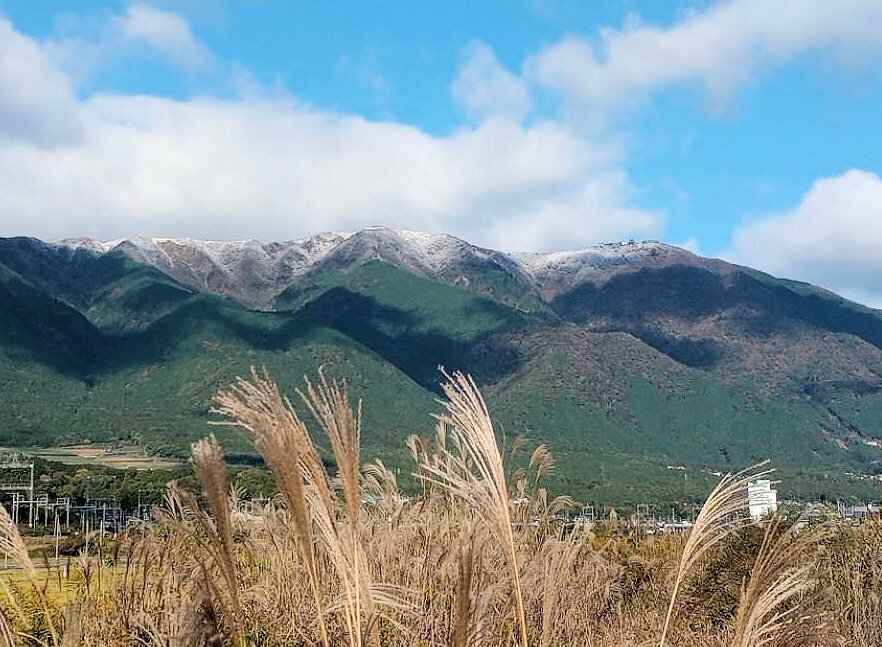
[73,627]
[462,633]
[543,461]
[284,441]
[475,472]
[208,461]
[328,401]
[850,570]
[721,514]
[185,516]
[7,633]
[557,567]
[379,480]
[767,614]
[12,545]
[329,404]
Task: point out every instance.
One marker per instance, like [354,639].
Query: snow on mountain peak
[87,244]
[598,255]
[254,272]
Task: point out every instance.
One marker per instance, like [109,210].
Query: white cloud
[37,102]
[165,33]
[273,168]
[722,48]
[833,237]
[85,45]
[594,210]
[485,88]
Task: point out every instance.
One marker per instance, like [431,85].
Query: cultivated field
[482,556]
[118,457]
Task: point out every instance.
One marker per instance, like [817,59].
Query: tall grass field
[479,555]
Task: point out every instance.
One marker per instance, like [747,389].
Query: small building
[762,500]
[860,511]
[677,527]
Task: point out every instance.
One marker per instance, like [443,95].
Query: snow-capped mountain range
[254,272]
[629,352]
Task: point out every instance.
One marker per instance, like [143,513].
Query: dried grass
[722,513]
[476,559]
[12,546]
[473,471]
[770,612]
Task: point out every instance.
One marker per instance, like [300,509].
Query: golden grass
[480,558]
[473,471]
[284,441]
[208,461]
[721,514]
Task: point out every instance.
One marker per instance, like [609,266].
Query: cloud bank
[37,102]
[833,238]
[721,48]
[274,169]
[271,167]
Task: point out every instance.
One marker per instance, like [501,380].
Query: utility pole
[31,498]
[57,535]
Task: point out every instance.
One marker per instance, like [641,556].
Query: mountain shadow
[651,303]
[36,327]
[402,338]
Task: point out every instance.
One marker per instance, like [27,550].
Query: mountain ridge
[439,256]
[624,357]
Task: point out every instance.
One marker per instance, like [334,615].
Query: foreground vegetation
[483,556]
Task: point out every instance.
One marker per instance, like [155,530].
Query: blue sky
[743,129]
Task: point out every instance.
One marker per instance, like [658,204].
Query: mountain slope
[35,327]
[626,358]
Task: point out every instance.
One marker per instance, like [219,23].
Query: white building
[761,498]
